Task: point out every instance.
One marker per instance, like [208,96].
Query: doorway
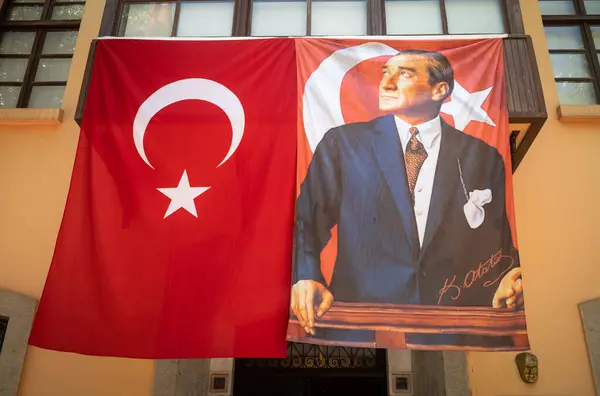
[311,370]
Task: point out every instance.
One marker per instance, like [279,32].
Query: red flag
[176,240]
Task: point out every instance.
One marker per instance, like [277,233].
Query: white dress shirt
[430,134]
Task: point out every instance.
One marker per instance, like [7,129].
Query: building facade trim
[30,117]
[590,113]
[19,309]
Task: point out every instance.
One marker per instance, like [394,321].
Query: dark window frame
[242,16]
[584,22]
[41,28]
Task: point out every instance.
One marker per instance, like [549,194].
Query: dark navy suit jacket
[357,181]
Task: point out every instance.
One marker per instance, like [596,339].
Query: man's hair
[438,66]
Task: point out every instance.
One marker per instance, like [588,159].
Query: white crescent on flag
[190,89]
[182,196]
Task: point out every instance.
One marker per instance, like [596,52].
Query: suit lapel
[389,154]
[445,182]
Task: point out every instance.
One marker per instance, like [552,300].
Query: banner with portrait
[405,226]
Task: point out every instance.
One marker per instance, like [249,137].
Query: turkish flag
[176,240]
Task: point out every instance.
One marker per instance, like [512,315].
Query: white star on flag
[182,196]
[465,107]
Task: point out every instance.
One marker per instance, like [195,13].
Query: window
[176,18]
[573,35]
[279,18]
[444,16]
[164,18]
[37,41]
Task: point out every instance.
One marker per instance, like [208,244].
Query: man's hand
[510,291]
[305,294]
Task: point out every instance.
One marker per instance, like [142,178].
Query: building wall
[36,164]
[556,196]
[556,190]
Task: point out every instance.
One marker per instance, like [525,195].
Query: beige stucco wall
[36,164]
[557,188]
[556,196]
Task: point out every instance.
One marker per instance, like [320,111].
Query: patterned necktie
[414,157]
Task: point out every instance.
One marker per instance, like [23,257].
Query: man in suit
[420,206]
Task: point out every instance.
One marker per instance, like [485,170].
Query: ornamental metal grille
[306,356]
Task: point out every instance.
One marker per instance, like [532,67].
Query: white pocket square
[474,211]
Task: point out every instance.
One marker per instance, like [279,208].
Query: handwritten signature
[475,275]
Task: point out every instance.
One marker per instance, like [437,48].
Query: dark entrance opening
[312,370]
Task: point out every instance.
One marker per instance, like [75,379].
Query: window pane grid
[571,65]
[557,7]
[9,95]
[309,18]
[38,59]
[29,12]
[12,70]
[414,17]
[49,10]
[46,96]
[67,11]
[475,16]
[592,7]
[577,93]
[573,37]
[569,8]
[260,18]
[176,18]
[23,31]
[212,18]
[279,18]
[457,16]
[337,18]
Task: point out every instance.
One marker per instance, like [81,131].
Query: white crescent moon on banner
[321,107]
[190,89]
